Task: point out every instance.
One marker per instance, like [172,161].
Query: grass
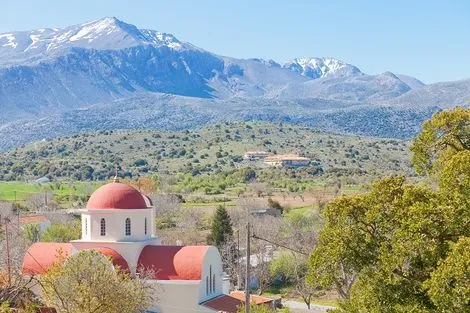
[21,191]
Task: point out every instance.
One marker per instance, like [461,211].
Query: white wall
[176,296]
[116,224]
[211,259]
[130,251]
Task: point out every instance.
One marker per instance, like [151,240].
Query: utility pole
[247,277]
[239,264]
[7,220]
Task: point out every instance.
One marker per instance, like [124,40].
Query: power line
[279,245]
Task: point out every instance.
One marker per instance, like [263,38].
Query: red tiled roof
[224,304]
[173,262]
[240,295]
[30,219]
[116,258]
[41,256]
[117,196]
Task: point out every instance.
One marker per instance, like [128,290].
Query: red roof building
[118,222]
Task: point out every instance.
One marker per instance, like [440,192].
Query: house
[119,222]
[255,155]
[287,160]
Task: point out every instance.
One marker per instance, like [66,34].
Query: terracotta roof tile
[223,304]
[117,196]
[253,298]
[31,219]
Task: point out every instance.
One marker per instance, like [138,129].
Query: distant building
[255,155]
[287,160]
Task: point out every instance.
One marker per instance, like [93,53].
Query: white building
[119,222]
[255,155]
[287,160]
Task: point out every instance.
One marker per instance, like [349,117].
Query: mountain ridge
[46,74]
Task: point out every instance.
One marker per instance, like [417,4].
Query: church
[119,222]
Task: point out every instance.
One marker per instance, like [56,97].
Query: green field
[22,191]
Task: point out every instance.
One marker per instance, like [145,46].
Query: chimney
[225,283]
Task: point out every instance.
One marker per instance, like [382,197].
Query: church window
[145,226]
[86,226]
[213,282]
[103,227]
[210,278]
[128,226]
[207,285]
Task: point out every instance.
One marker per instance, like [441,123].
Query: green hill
[219,148]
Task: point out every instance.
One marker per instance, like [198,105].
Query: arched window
[86,226]
[207,285]
[103,227]
[128,226]
[145,226]
[210,278]
[213,282]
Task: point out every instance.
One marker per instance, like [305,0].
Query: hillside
[210,150]
[108,74]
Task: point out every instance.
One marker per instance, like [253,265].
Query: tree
[221,227]
[273,204]
[88,282]
[292,268]
[449,284]
[397,248]
[444,135]
[62,232]
[260,309]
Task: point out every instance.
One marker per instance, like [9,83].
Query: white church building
[119,222]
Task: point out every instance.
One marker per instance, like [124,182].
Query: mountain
[108,73]
[32,47]
[321,67]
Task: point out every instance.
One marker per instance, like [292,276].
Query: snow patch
[94,29]
[11,40]
[34,40]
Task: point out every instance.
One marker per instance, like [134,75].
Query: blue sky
[426,39]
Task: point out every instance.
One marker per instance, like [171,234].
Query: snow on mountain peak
[320,67]
[107,33]
[92,30]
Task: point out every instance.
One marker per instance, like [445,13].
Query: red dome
[41,256]
[116,258]
[173,262]
[117,196]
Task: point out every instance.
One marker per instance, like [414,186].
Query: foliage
[206,151]
[292,269]
[393,249]
[444,135]
[449,284]
[62,232]
[273,204]
[32,232]
[256,309]
[221,227]
[88,282]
